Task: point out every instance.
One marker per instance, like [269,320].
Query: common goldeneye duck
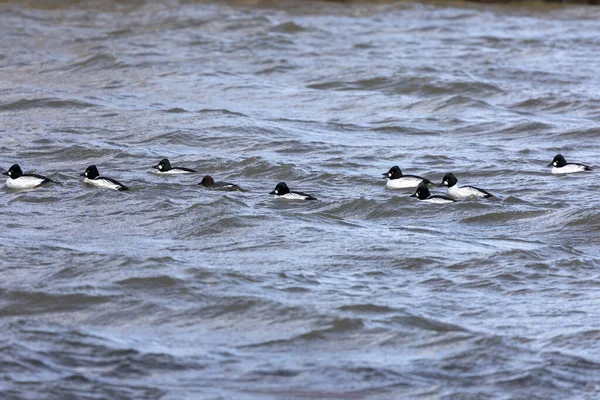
[283,191]
[208,182]
[560,166]
[92,176]
[423,194]
[396,180]
[462,192]
[164,167]
[18,180]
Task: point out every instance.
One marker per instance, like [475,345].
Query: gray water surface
[171,291]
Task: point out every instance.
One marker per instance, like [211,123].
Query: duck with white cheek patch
[18,180]
[92,177]
[397,180]
[561,166]
[282,191]
[164,167]
[423,194]
[462,192]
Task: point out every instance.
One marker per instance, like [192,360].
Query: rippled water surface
[171,291]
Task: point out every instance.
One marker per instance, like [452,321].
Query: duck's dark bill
[413,195]
[5,173]
[273,192]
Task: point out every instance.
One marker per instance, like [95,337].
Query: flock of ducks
[396,180]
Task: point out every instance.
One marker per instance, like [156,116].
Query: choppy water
[171,291]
